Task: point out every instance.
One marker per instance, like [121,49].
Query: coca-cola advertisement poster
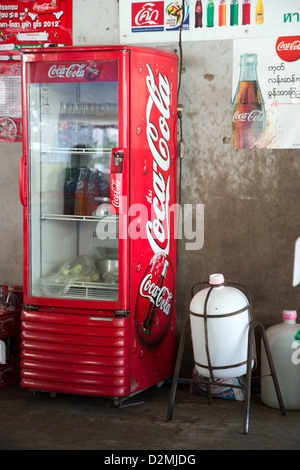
[200,20]
[266,93]
[35,23]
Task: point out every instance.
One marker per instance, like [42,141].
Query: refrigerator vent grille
[85,291]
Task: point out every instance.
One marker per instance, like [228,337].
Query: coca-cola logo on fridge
[155,300]
[90,71]
[158,114]
[74,71]
[288,48]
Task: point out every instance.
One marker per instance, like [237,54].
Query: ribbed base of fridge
[81,353]
[74,353]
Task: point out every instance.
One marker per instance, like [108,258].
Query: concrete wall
[251,198]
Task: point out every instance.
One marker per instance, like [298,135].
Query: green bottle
[234,12]
[210,13]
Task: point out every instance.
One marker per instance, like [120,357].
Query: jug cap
[216,279]
[289,314]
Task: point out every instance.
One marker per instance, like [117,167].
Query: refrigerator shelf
[85,290]
[77,150]
[79,218]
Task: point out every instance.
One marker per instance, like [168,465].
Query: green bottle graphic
[234,12]
[210,13]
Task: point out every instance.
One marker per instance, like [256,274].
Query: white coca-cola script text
[253,116]
[159,296]
[158,136]
[289,46]
[72,71]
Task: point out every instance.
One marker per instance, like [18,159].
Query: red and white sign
[10,98]
[155,300]
[36,22]
[41,7]
[278,74]
[75,71]
[147,16]
[288,48]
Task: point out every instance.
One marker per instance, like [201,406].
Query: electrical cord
[180,107]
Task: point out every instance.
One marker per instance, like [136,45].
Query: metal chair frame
[254,325]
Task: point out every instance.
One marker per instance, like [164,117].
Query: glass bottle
[198,14]
[248,109]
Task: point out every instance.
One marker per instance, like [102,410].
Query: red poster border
[11,127]
[21,24]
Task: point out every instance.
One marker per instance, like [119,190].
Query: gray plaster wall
[250,198]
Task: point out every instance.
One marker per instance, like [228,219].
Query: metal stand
[251,347]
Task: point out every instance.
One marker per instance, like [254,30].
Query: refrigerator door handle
[22,175]
[116,179]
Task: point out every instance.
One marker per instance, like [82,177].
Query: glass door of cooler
[73,125]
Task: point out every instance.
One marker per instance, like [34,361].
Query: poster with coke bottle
[266,93]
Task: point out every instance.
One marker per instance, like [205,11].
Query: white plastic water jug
[2,352]
[285,350]
[220,331]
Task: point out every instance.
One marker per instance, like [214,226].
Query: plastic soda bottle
[69,190]
[234,12]
[259,12]
[2,301]
[210,13]
[246,11]
[11,300]
[222,13]
[81,192]
[92,193]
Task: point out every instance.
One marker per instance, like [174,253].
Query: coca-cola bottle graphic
[147,325]
[198,14]
[155,300]
[248,109]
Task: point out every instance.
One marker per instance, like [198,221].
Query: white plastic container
[227,335]
[285,350]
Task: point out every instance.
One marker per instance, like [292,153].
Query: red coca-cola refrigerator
[98,189]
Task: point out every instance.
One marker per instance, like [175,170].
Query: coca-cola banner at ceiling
[266,93]
[159,21]
[35,22]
